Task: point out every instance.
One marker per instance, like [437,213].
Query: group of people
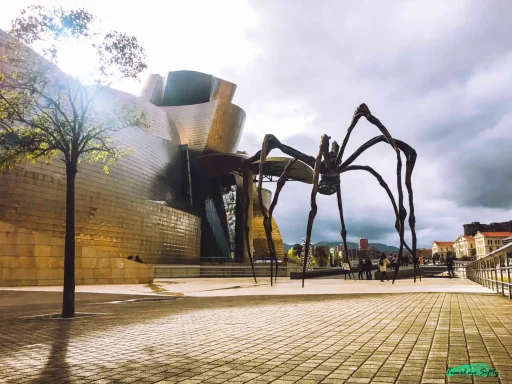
[137,258]
[365,266]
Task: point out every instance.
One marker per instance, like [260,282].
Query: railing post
[496,275]
[492,274]
[489,274]
[508,277]
[501,278]
[484,272]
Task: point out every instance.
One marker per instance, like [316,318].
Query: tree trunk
[68,297]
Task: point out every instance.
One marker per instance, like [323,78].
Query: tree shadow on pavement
[56,369]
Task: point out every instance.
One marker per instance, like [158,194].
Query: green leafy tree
[311,262]
[46,114]
[293,257]
[336,258]
[297,248]
[321,255]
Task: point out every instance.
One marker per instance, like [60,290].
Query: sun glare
[199,35]
[78,59]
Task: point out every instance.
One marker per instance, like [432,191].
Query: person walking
[368,264]
[449,265]
[383,264]
[361,268]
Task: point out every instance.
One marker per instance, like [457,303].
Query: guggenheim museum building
[175,201]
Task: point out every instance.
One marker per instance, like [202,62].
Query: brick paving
[404,338]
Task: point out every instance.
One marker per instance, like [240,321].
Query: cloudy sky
[438,74]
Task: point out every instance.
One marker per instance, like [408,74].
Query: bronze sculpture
[328,166]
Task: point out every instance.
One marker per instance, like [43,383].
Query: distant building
[424,253]
[465,246]
[508,240]
[362,244]
[474,227]
[442,248]
[487,242]
[339,248]
[353,254]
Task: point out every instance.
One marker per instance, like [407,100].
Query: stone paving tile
[404,338]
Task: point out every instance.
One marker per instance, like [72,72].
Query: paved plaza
[213,287]
[171,337]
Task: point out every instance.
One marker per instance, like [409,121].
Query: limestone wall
[30,258]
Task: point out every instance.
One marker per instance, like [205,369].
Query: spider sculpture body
[327,167]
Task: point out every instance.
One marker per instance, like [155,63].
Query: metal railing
[493,271]
[184,271]
[459,267]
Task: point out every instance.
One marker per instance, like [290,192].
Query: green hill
[381,247]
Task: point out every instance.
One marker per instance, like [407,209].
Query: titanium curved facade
[215,126]
[203,118]
[199,110]
[158,203]
[137,209]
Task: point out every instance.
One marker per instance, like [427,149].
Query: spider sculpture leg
[343,230]
[263,157]
[401,209]
[324,143]
[280,185]
[361,111]
[246,199]
[383,184]
[271,142]
[267,223]
[401,213]
[267,216]
[410,154]
[411,161]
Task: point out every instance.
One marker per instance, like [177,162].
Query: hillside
[381,247]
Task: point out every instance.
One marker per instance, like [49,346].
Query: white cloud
[436,73]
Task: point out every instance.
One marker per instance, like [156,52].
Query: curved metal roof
[221,163]
[274,166]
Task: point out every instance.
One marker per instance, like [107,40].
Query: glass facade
[215,215]
[229,198]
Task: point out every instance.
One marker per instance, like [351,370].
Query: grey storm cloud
[436,73]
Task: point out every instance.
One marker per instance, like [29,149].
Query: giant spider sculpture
[328,166]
